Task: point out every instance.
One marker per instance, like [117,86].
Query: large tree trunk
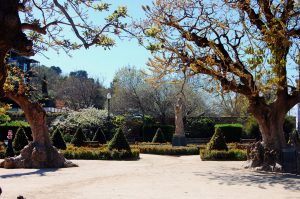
[39,153]
[266,155]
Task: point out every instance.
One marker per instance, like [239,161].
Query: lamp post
[108,96]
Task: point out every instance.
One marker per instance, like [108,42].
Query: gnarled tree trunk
[39,153]
[266,155]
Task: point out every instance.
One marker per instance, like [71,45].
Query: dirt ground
[152,177]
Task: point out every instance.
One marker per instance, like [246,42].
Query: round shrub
[119,141]
[58,140]
[99,136]
[217,142]
[20,140]
[79,138]
[158,137]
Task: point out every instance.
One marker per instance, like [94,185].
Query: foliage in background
[288,126]
[79,138]
[217,142]
[99,136]
[58,140]
[149,131]
[4,118]
[251,129]
[89,118]
[231,132]
[159,137]
[202,127]
[20,140]
[133,93]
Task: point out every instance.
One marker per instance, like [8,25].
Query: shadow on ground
[40,172]
[245,177]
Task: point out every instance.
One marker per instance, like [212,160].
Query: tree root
[260,158]
[38,156]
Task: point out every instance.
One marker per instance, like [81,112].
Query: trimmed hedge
[119,141]
[14,126]
[20,140]
[85,153]
[58,140]
[168,150]
[201,127]
[217,142]
[230,155]
[150,130]
[79,138]
[231,132]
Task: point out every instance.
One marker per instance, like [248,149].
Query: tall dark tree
[42,27]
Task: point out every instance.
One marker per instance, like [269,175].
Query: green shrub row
[200,127]
[231,132]
[168,150]
[84,153]
[230,155]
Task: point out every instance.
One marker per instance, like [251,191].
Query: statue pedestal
[178,140]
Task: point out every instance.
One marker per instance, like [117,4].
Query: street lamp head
[108,96]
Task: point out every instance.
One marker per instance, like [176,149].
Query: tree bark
[266,155]
[39,153]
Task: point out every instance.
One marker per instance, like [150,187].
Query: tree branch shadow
[245,177]
[40,172]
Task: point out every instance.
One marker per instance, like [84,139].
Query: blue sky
[100,63]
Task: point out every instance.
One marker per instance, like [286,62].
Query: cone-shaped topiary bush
[158,137]
[78,138]
[217,142]
[119,141]
[20,140]
[99,136]
[58,140]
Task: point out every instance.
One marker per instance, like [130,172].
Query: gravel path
[152,177]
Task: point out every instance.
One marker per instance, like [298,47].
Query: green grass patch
[230,155]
